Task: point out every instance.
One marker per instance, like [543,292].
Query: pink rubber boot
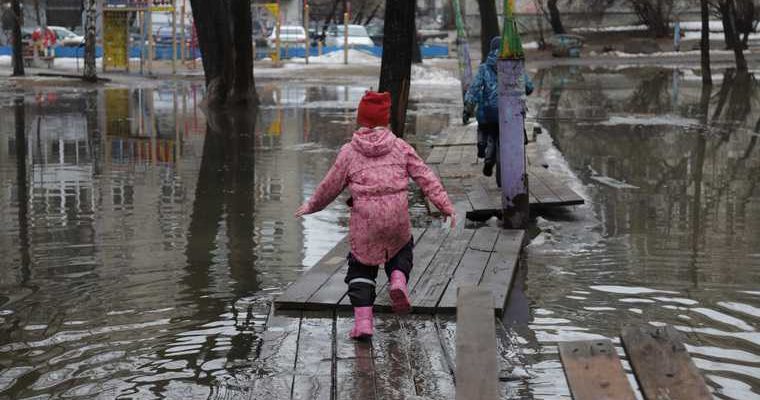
[399,293]
[362,323]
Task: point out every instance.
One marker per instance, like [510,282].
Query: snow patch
[650,120]
[429,76]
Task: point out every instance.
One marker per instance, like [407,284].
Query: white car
[290,35]
[65,37]
[357,36]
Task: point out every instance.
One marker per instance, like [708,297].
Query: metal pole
[141,17]
[514,179]
[345,37]
[150,42]
[307,45]
[126,33]
[174,38]
[183,33]
[276,57]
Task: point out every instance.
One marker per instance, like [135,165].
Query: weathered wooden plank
[430,288]
[497,277]
[432,377]
[541,191]
[355,369]
[454,155]
[437,155]
[472,266]
[331,293]
[394,379]
[274,367]
[560,190]
[299,292]
[313,368]
[424,251]
[382,278]
[476,363]
[593,371]
[663,367]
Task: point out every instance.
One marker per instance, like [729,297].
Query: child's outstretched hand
[452,220]
[301,211]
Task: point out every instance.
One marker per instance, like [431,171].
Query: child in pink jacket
[376,166]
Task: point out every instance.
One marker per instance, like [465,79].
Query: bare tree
[18,44]
[90,70]
[396,67]
[224,38]
[489,25]
[731,13]
[655,14]
[705,43]
[554,18]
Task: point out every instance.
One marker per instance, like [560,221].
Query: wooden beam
[662,365]
[476,364]
[593,371]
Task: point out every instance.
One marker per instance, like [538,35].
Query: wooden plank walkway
[444,260]
[454,158]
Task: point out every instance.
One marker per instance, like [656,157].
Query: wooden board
[501,267]
[393,373]
[314,362]
[424,251]
[432,377]
[426,293]
[301,290]
[663,367]
[355,368]
[472,265]
[593,371]
[274,366]
[476,363]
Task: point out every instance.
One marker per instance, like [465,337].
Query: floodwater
[671,232]
[142,238]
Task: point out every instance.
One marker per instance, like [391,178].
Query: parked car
[290,35]
[565,45]
[357,36]
[66,37]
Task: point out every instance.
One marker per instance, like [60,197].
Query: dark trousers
[361,278]
[488,142]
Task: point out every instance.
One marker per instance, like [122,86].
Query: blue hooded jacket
[483,91]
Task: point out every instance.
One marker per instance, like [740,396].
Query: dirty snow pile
[336,57]
[429,76]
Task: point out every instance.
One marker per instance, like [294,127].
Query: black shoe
[488,168]
[481,151]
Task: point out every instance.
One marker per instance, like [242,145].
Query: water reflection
[677,245]
[142,238]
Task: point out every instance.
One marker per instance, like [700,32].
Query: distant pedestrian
[483,94]
[376,167]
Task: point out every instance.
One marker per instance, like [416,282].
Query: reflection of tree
[23,189]
[224,195]
[652,95]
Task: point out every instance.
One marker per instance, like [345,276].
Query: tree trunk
[741,62]
[223,28]
[18,44]
[396,67]
[90,70]
[244,87]
[705,43]
[416,50]
[489,25]
[554,17]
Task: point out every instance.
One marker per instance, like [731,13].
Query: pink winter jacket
[376,166]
